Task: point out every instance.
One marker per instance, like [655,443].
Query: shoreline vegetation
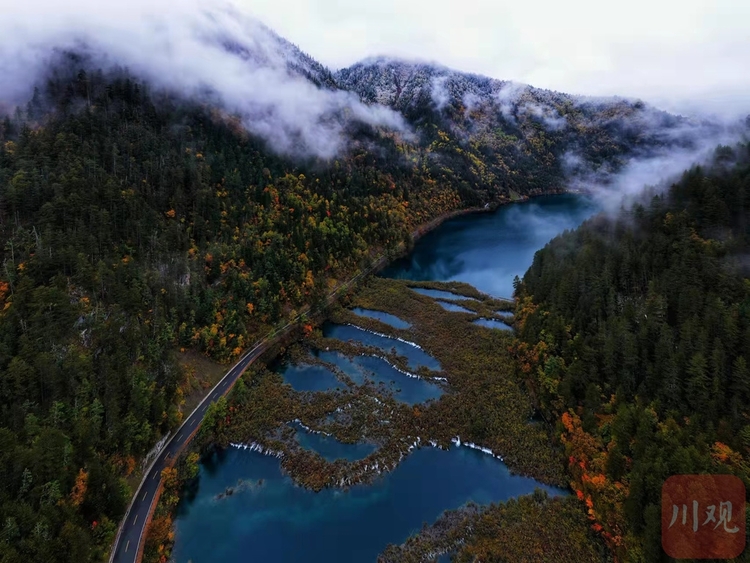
[485,394]
[483,402]
[527,529]
[136,222]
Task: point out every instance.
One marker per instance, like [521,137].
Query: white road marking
[135,519]
[127,545]
[156,475]
[144,496]
[180,436]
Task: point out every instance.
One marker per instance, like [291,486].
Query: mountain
[511,126]
[189,186]
[260,46]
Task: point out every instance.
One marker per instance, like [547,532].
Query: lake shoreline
[405,249]
[489,208]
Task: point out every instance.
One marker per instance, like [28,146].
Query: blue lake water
[454,308]
[386,318]
[304,377]
[491,323]
[487,250]
[437,293]
[330,448]
[404,388]
[415,356]
[278,522]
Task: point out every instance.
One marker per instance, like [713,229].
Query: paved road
[126,548]
[133,529]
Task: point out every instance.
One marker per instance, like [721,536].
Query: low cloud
[439,92]
[507,98]
[615,189]
[194,49]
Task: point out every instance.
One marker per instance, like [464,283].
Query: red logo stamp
[703,516]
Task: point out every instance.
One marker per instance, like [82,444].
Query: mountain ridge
[152,201]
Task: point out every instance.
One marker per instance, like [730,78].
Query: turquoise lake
[492,323]
[438,293]
[275,521]
[386,318]
[487,250]
[453,308]
[330,448]
[416,357]
[361,370]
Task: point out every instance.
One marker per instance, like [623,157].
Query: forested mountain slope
[138,218]
[132,225]
[635,337]
[498,134]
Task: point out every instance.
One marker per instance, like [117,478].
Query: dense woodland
[134,223]
[635,338]
[131,225]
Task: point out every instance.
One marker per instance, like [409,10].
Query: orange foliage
[129,465]
[169,477]
[587,461]
[724,455]
[79,489]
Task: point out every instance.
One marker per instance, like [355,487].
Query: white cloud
[680,54]
[179,46]
[689,55]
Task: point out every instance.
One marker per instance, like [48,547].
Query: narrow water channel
[270,519]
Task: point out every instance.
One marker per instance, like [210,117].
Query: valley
[380,402]
[458,317]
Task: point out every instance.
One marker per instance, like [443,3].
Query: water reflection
[276,521]
[416,357]
[304,377]
[453,308]
[492,323]
[386,318]
[487,250]
[376,370]
[438,294]
[329,447]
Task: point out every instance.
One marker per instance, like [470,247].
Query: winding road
[133,528]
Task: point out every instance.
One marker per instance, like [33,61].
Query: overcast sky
[682,55]
[679,54]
